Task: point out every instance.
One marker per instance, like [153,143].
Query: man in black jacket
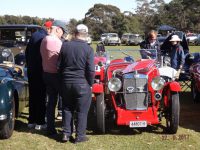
[76,67]
[37,90]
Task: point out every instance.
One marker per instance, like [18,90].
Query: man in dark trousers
[37,91]
[76,67]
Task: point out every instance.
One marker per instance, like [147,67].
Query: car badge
[140,88]
[130,89]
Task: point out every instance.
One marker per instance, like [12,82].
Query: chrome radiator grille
[135,91]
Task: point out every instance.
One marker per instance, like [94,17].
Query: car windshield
[135,36]
[10,37]
[112,35]
[103,35]
[135,54]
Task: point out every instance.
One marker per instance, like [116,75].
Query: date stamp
[180,137]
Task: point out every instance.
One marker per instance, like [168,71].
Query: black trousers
[76,97]
[37,98]
[52,83]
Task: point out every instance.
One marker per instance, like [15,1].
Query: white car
[112,39]
[103,36]
[89,39]
[191,38]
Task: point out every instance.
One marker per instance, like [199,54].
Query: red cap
[48,24]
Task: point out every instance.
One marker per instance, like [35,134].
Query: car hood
[143,66]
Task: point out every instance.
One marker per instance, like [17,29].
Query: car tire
[100,110]
[195,94]
[173,113]
[7,130]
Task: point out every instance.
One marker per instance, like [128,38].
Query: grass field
[153,137]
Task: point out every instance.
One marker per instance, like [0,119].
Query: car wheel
[8,127]
[195,94]
[173,113]
[100,110]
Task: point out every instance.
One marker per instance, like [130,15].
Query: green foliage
[11,19]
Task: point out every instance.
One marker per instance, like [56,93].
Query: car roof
[18,26]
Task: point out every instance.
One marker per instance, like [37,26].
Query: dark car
[16,37]
[134,90]
[13,92]
[134,39]
[161,39]
[195,77]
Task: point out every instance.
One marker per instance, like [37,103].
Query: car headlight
[157,83]
[6,53]
[114,84]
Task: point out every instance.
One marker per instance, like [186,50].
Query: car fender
[97,88]
[6,96]
[174,86]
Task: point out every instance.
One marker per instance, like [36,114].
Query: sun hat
[60,24]
[82,28]
[48,24]
[175,38]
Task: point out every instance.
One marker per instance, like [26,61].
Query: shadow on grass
[189,119]
[112,128]
[21,126]
[189,113]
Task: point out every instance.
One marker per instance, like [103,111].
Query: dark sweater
[32,53]
[177,56]
[76,62]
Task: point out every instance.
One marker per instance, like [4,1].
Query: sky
[60,9]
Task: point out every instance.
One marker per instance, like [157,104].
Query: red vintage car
[195,77]
[136,90]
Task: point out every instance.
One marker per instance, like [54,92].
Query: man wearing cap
[76,67]
[50,49]
[37,91]
[176,54]
[48,25]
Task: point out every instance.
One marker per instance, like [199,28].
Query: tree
[104,18]
[147,12]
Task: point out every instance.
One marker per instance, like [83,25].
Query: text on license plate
[134,124]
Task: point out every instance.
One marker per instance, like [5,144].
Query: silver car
[112,39]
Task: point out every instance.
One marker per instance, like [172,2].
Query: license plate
[135,124]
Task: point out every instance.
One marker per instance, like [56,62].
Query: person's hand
[177,74]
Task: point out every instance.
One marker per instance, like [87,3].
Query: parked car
[134,90]
[13,92]
[125,38]
[112,39]
[197,41]
[191,38]
[134,39]
[103,36]
[89,39]
[195,77]
[16,37]
[161,39]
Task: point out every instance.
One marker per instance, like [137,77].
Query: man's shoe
[31,125]
[59,117]
[82,139]
[40,127]
[66,138]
